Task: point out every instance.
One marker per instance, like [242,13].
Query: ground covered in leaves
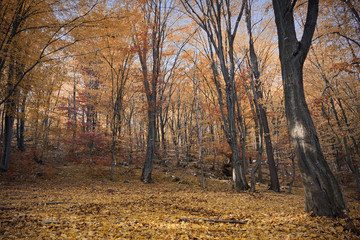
[84,204]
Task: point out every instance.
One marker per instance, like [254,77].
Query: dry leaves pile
[99,209]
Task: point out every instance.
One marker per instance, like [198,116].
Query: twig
[211,220]
[56,203]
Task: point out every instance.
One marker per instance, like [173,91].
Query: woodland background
[86,84]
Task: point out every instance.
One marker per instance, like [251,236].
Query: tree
[149,39]
[323,196]
[216,19]
[195,80]
[21,22]
[337,29]
[261,109]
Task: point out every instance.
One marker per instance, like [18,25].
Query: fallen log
[212,220]
[56,203]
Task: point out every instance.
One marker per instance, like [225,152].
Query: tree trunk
[9,109]
[198,128]
[274,180]
[261,110]
[112,164]
[150,147]
[21,119]
[323,196]
[8,132]
[259,146]
[20,134]
[204,14]
[322,193]
[163,138]
[238,165]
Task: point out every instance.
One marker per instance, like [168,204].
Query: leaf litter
[76,208]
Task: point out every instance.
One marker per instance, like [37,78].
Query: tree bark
[323,196]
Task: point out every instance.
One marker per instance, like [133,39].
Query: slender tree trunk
[2,124]
[292,157]
[323,196]
[258,96]
[21,119]
[74,107]
[150,147]
[21,141]
[238,165]
[163,138]
[259,146]
[198,128]
[353,167]
[274,180]
[215,18]
[113,144]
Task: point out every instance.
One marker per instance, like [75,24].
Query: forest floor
[79,202]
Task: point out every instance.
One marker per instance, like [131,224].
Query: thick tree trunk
[322,193]
[8,132]
[323,196]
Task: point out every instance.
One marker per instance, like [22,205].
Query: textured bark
[323,196]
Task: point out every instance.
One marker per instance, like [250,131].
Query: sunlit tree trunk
[323,196]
